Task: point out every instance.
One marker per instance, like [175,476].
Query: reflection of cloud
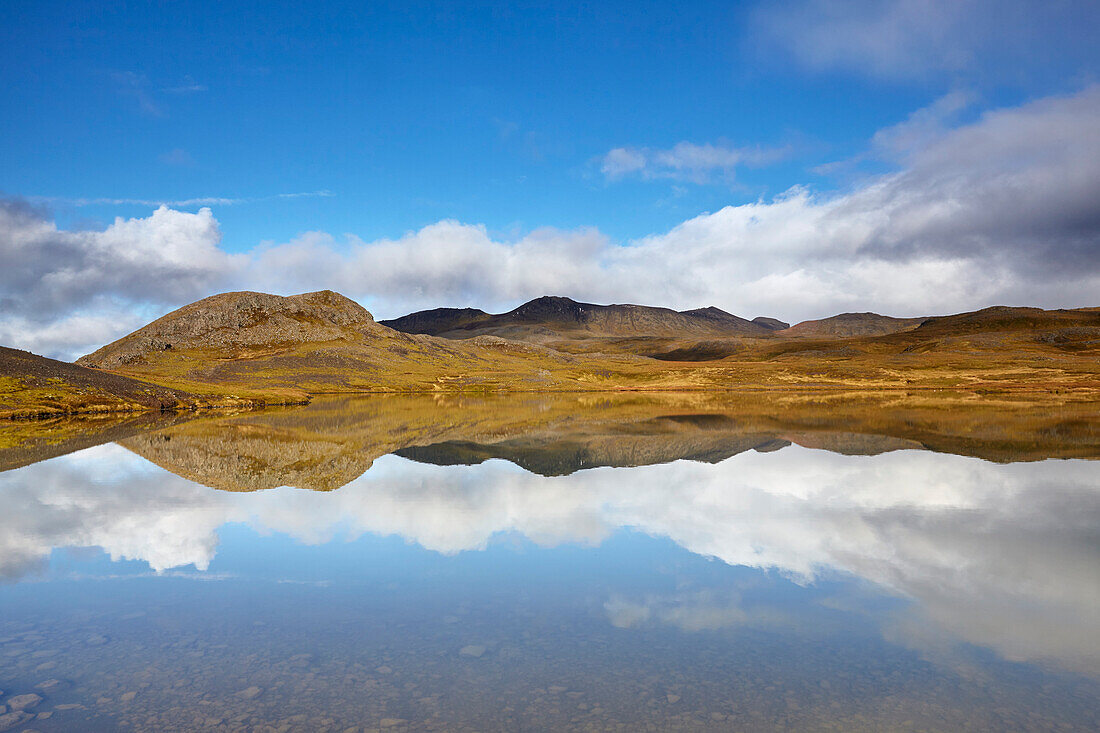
[1001,555]
[699,611]
[103,498]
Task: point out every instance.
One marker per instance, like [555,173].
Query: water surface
[555,565]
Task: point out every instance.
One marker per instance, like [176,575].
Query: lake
[677,562]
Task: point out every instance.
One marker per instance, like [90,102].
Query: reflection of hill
[25,442]
[329,443]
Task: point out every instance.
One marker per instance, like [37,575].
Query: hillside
[32,385]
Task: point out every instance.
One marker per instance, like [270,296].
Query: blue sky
[619,121]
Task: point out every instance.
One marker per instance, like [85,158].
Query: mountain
[848,325]
[773,323]
[33,385]
[237,322]
[241,342]
[553,318]
[254,348]
[438,320]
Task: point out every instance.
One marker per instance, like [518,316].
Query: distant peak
[717,315]
[773,323]
[711,311]
[551,307]
[551,300]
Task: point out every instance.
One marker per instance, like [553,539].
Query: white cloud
[923,127]
[684,161]
[447,263]
[62,288]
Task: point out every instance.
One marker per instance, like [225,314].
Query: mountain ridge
[590,319]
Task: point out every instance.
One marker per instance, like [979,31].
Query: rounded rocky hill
[240,320]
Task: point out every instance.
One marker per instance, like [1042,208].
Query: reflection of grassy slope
[332,441]
[24,442]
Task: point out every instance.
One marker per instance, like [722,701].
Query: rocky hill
[236,321]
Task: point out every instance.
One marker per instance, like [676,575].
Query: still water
[363,565]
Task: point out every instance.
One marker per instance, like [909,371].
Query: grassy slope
[36,386]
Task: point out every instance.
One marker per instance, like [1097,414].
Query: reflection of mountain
[329,443]
[709,438]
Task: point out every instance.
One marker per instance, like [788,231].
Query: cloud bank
[1002,210]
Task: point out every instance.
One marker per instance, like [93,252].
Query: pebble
[50,685]
[24,702]
[249,693]
[14,718]
[96,640]
[473,650]
[672,699]
[391,722]
[127,696]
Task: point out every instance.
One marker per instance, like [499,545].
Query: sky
[793,160]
